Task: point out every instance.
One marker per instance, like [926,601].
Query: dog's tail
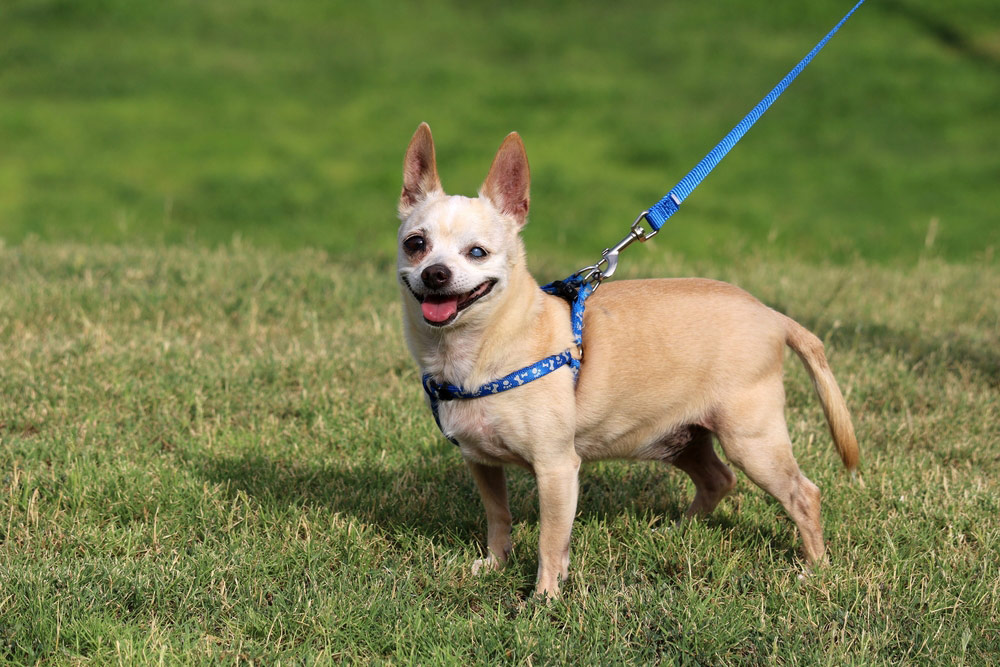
[810,350]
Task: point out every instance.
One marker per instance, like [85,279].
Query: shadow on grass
[437,498]
[432,498]
[945,33]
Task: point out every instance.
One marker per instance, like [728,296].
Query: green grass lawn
[285,122]
[213,454]
[214,448]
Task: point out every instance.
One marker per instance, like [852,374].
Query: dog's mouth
[441,309]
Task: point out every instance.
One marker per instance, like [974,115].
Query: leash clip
[608,264]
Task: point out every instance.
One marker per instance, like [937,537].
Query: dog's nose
[436,276]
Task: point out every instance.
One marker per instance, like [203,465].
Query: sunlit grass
[224,454]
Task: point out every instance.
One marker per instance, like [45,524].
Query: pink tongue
[439,310]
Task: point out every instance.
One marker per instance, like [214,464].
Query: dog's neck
[476,352]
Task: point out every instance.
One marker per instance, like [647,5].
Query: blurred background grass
[285,122]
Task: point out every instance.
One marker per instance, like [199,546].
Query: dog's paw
[487,564]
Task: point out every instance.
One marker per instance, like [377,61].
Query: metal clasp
[608,264]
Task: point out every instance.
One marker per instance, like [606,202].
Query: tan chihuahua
[669,364]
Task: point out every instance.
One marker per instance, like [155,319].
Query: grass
[223,455]
[285,122]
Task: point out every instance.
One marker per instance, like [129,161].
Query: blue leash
[666,207]
[658,214]
[581,284]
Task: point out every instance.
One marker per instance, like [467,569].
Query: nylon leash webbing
[666,207]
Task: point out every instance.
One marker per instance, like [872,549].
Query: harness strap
[443,391]
[439,391]
[575,290]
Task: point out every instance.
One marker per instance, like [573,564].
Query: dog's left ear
[507,184]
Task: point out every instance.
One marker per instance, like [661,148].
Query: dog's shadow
[431,498]
[436,498]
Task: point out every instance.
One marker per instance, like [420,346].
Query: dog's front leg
[558,485]
[492,485]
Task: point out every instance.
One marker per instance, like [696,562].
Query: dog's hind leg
[764,453]
[712,478]
[492,483]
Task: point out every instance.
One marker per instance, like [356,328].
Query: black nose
[436,276]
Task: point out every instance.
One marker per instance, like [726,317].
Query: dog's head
[456,254]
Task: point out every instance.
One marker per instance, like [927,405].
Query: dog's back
[672,350]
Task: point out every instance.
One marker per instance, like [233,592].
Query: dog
[667,365]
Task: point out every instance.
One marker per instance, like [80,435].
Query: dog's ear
[420,177]
[507,184]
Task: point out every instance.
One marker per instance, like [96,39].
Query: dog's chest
[480,431]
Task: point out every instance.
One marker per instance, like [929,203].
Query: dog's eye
[414,244]
[477,253]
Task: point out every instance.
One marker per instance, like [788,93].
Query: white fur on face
[451,227]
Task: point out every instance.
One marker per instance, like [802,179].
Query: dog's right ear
[420,177]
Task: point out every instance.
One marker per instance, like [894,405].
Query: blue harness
[581,284]
[575,290]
